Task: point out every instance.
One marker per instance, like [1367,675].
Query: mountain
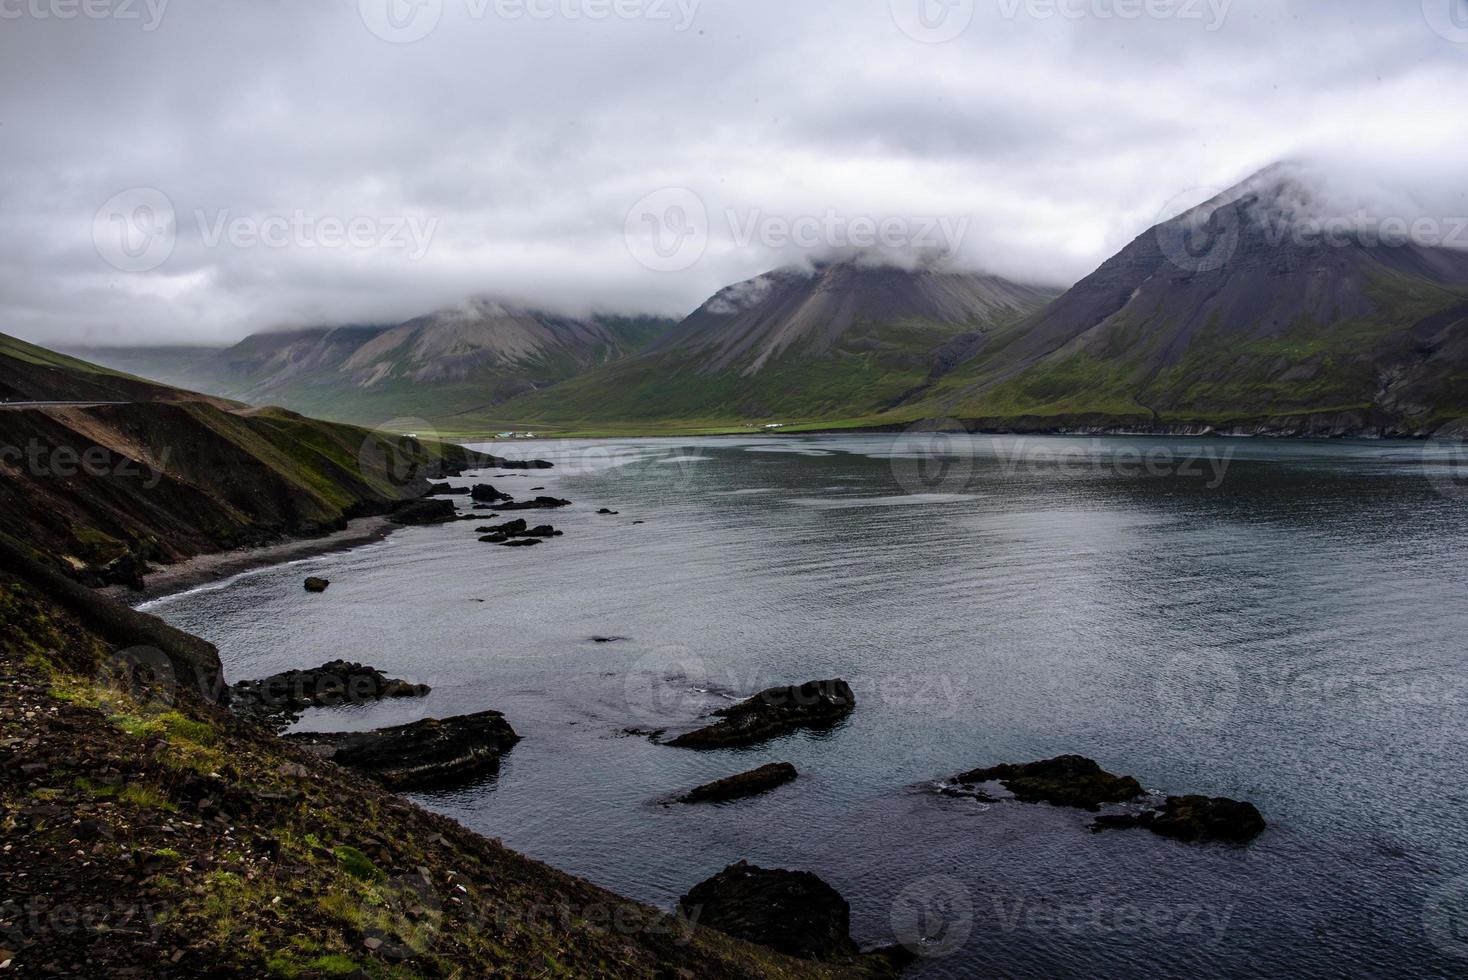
[837,341]
[457,360]
[1239,313]
[129,472]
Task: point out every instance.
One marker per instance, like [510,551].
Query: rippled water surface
[1279,622]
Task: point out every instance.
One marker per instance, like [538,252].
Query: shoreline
[216,566]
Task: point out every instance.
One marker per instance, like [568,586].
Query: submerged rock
[512,527]
[426,753]
[815,704]
[1193,818]
[518,542]
[314,584]
[606,511]
[793,912]
[539,503]
[419,512]
[484,493]
[1070,780]
[543,531]
[281,698]
[752,783]
[519,464]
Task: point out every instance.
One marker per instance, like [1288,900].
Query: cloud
[318,172]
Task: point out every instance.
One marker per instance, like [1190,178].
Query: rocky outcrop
[446,490]
[517,526]
[816,704]
[499,462]
[426,753]
[539,503]
[314,584]
[486,494]
[752,783]
[146,647]
[421,512]
[793,912]
[1070,780]
[281,698]
[1193,818]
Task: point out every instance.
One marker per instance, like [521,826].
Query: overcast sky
[194,172]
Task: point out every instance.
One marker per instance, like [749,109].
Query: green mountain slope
[157,474]
[838,342]
[1265,328]
[459,360]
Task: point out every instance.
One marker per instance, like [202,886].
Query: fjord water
[1287,628]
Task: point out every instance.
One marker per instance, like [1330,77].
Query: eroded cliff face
[105,488]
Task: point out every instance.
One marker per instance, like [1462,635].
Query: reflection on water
[1278,622]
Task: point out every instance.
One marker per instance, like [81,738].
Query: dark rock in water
[539,503]
[497,462]
[609,639]
[752,783]
[425,753]
[608,512]
[314,584]
[544,531]
[1070,780]
[495,538]
[418,512]
[534,489]
[1193,818]
[792,912]
[519,543]
[445,490]
[485,493]
[281,698]
[512,527]
[816,704]
[639,522]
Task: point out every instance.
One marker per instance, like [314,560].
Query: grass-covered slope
[836,342]
[29,373]
[165,475]
[168,480]
[149,833]
[1271,329]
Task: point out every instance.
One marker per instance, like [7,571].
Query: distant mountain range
[467,359]
[837,341]
[1236,315]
